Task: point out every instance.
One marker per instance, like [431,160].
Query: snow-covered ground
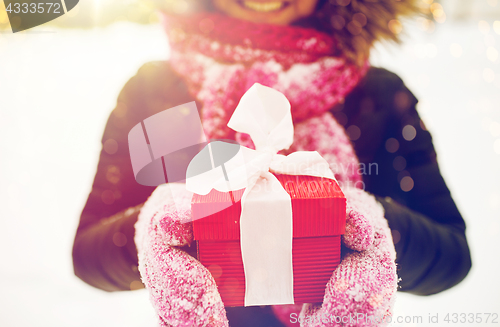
[58,87]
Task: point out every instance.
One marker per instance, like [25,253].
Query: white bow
[266,209]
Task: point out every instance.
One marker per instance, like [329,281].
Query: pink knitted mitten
[361,290]
[182,290]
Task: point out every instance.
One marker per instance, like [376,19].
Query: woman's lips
[264,7]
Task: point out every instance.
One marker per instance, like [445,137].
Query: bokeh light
[406,184]
[496,26]
[494,129]
[431,50]
[456,50]
[391,145]
[409,132]
[353,132]
[110,146]
[425,24]
[438,12]
[489,40]
[488,75]
[396,236]
[395,26]
[492,3]
[107,197]
[492,54]
[484,26]
[119,239]
[399,163]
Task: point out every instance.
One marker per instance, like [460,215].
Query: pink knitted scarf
[220,58]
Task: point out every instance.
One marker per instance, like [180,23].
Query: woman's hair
[356,24]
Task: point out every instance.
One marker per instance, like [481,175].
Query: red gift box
[319,211]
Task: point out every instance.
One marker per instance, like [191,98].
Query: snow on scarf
[220,58]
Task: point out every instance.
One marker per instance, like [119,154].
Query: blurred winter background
[59,82]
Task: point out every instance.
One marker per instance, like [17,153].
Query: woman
[374,106]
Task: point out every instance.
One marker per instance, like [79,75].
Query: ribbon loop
[265,115]
[266,208]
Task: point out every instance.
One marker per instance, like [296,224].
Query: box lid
[318,206]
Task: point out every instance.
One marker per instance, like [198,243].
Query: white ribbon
[266,208]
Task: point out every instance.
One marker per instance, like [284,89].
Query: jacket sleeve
[433,254]
[428,230]
[104,252]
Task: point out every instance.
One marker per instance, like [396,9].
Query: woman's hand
[362,288]
[182,290]
[359,293]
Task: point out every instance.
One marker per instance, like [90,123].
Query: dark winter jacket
[380,117]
